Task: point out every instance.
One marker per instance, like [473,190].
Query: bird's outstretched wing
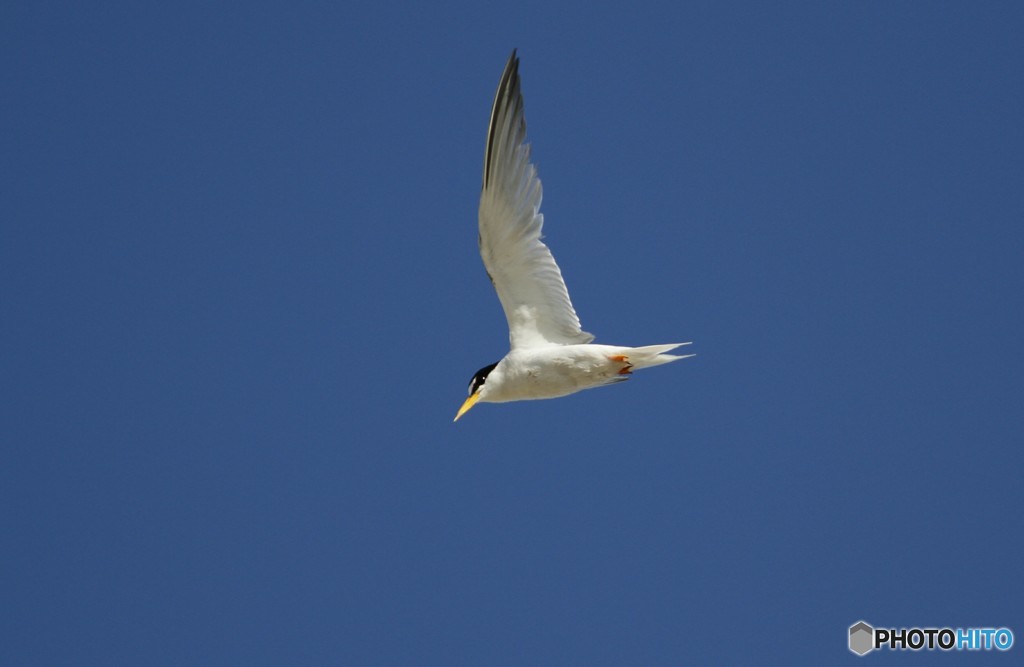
[525,275]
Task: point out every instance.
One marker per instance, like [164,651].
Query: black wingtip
[508,87]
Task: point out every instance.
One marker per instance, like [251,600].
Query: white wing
[525,275]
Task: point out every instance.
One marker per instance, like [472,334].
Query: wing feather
[521,267]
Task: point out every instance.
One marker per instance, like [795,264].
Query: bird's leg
[627,367]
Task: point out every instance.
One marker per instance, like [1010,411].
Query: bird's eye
[480,377]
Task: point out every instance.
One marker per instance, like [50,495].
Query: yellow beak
[470,402]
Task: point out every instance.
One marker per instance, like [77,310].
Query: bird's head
[476,388]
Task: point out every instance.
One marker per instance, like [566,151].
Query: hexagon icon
[862,638]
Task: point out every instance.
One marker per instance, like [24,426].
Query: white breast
[550,372]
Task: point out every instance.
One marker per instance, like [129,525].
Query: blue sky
[241,300]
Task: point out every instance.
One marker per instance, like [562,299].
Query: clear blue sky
[241,300]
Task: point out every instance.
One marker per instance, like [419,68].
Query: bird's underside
[560,370]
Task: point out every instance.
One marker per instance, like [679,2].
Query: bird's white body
[552,371]
[550,354]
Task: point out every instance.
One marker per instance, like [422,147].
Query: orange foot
[623,359]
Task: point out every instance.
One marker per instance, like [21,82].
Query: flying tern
[550,355]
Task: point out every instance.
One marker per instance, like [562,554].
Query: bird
[549,353]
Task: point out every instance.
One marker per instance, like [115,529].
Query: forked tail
[653,355]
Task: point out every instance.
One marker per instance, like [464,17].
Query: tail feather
[653,355]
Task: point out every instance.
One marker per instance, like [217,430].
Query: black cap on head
[480,377]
